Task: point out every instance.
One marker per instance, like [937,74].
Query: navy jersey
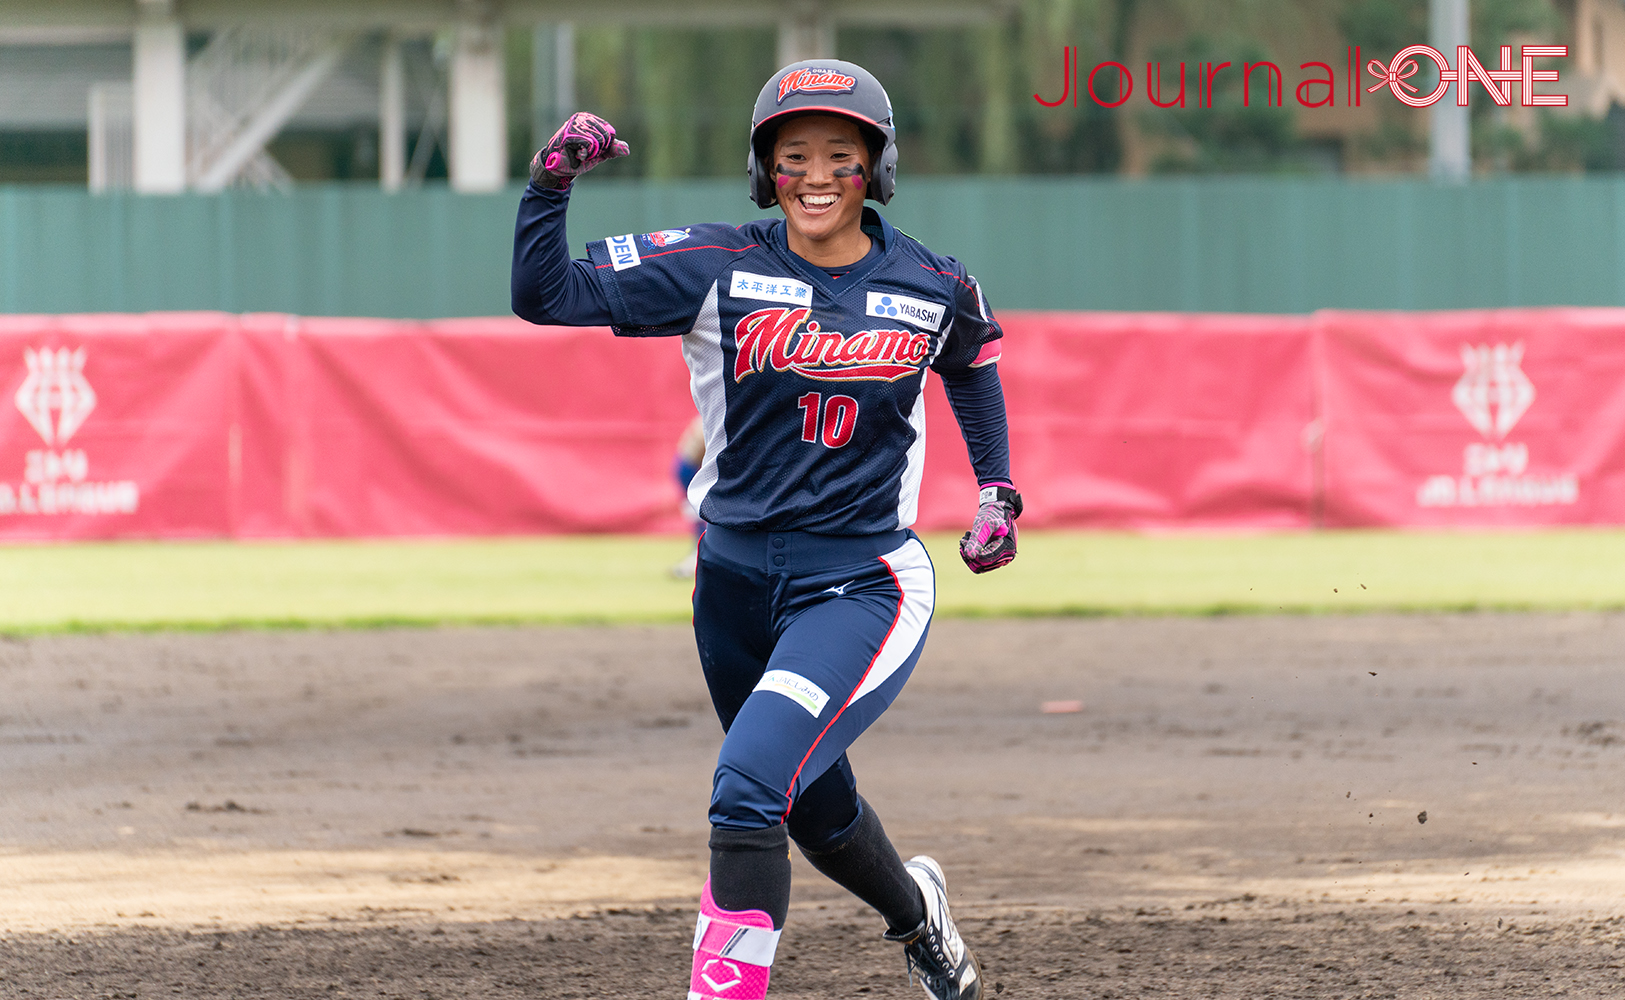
[811,388]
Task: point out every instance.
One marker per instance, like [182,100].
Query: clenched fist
[991,540]
[581,143]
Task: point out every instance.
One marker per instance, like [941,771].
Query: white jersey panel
[702,352]
[908,491]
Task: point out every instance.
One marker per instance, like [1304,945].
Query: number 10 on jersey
[828,421]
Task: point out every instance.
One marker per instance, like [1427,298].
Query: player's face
[821,169]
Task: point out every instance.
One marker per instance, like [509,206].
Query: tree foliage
[964,96]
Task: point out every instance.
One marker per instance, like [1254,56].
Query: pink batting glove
[581,143]
[991,540]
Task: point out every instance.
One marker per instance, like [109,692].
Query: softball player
[809,341]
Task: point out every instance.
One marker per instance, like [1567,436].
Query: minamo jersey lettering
[770,337]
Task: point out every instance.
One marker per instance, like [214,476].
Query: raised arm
[546,285]
[549,287]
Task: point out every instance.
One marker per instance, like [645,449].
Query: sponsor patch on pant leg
[795,687]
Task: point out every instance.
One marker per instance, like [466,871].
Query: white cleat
[934,950]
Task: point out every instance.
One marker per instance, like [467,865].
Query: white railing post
[479,118]
[1450,154]
[392,116]
[158,86]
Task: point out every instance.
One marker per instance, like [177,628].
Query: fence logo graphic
[55,384]
[56,399]
[1493,393]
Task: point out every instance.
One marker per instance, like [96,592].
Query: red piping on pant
[901,597]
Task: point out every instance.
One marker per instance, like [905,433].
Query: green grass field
[624,579]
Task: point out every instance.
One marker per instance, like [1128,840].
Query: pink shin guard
[733,952]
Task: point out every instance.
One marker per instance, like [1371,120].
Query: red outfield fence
[214,425]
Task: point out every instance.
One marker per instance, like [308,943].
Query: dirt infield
[1235,810]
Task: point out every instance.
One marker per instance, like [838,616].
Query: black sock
[750,870]
[865,863]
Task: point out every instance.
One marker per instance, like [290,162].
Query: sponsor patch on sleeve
[795,687]
[923,314]
[746,285]
[623,251]
[666,237]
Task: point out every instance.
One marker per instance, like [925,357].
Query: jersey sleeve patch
[657,291]
[623,251]
[666,238]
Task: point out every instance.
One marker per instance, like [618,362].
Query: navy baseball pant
[805,640]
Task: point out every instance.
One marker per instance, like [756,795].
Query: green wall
[1261,244]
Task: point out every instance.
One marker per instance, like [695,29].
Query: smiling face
[821,170]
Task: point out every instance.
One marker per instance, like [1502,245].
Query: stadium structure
[164,96]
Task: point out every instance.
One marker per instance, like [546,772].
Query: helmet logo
[815,81]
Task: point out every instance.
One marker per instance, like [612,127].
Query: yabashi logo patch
[815,81]
[910,310]
[623,251]
[774,338]
[795,687]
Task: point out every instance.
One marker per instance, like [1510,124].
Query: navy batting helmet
[826,87]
